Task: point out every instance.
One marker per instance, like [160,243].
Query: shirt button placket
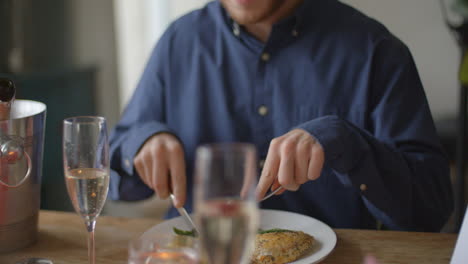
[264,132]
[295,33]
[262,110]
[363,187]
[236,30]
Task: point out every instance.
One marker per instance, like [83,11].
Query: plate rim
[332,231]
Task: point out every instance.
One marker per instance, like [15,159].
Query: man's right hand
[161,165]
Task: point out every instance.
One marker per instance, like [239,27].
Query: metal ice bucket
[21,151]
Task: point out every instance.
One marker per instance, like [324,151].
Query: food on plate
[281,247]
[183,238]
[273,230]
[272,246]
[181,232]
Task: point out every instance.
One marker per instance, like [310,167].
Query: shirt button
[295,33]
[127,163]
[236,31]
[363,187]
[261,163]
[263,110]
[265,56]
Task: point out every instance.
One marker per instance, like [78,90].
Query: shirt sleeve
[143,117]
[396,162]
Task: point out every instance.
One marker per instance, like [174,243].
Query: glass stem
[90,225]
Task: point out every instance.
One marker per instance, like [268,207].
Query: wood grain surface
[63,239]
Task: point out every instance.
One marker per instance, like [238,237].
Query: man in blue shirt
[331,99]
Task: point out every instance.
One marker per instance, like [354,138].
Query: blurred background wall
[86,56]
[139,26]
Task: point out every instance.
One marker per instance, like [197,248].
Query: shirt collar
[294,22]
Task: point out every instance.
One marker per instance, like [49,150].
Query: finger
[316,162]
[269,172]
[301,163]
[140,166]
[160,173]
[177,172]
[286,169]
[275,186]
[139,169]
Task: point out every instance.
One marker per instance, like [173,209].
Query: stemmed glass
[226,210]
[86,167]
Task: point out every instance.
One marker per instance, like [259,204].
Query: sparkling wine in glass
[226,209]
[86,167]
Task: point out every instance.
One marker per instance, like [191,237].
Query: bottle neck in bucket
[7,96]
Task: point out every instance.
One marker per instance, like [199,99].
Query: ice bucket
[21,151]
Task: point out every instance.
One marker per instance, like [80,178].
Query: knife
[272,193]
[188,221]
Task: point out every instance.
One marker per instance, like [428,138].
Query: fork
[188,220]
[272,193]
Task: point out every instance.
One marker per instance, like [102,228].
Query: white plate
[325,236]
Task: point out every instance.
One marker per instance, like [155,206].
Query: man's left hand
[292,160]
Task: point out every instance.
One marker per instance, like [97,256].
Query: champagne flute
[86,167]
[226,209]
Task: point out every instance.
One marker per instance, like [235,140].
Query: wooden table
[63,239]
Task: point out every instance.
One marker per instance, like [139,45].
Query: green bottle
[461,7]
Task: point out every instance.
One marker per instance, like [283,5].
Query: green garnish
[192,233]
[184,232]
[273,230]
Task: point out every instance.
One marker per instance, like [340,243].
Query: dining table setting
[61,239]
[226,226]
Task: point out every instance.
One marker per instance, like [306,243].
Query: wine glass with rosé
[226,209]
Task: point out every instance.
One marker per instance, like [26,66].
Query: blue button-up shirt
[327,69]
